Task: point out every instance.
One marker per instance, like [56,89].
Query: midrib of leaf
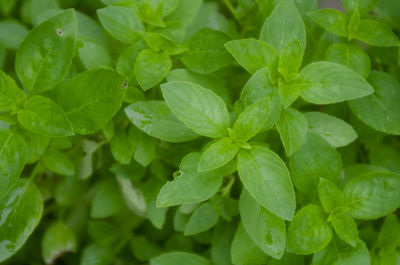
[42,63]
[6,143]
[95,100]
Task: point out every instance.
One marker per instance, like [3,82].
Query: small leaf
[267,179]
[58,163]
[45,55]
[179,258]
[42,116]
[363,6]
[197,107]
[202,219]
[346,228]
[376,33]
[96,255]
[145,149]
[330,195]
[290,59]
[94,55]
[107,200]
[123,145]
[12,33]
[11,96]
[133,197]
[308,231]
[218,154]
[327,83]
[332,20]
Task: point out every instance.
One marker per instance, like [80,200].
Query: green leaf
[91,99]
[133,197]
[13,155]
[179,258]
[103,233]
[252,119]
[11,97]
[327,83]
[380,110]
[96,255]
[58,162]
[221,242]
[202,219]
[36,143]
[94,55]
[253,54]
[145,149]
[390,232]
[12,33]
[308,232]
[58,239]
[190,186]
[290,60]
[266,177]
[44,57]
[363,6]
[279,32]
[197,107]
[143,249]
[289,91]
[292,127]
[157,120]
[346,228]
[218,154]
[332,20]
[351,56]
[185,12]
[326,163]
[151,67]
[330,195]
[127,59]
[385,156]
[373,195]
[267,230]
[122,23]
[244,251]
[150,190]
[123,144]
[22,209]
[335,131]
[107,200]
[206,52]
[376,33]
[42,116]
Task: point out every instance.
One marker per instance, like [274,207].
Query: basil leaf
[253,54]
[332,20]
[42,116]
[190,186]
[335,131]
[58,163]
[346,228]
[330,195]
[93,55]
[267,230]
[45,55]
[308,232]
[127,60]
[145,149]
[279,32]
[22,208]
[327,83]
[123,144]
[372,195]
[380,110]
[218,154]
[107,200]
[206,52]
[12,33]
[188,100]
[376,34]
[292,128]
[96,255]
[179,258]
[363,6]
[326,164]
[36,143]
[267,179]
[132,196]
[252,119]
[151,67]
[90,99]
[121,22]
[11,97]
[202,219]
[290,59]
[157,120]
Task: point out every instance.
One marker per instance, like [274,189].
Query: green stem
[231,9]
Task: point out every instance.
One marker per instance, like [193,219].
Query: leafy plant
[199,132]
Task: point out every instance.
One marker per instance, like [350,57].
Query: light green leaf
[244,251]
[13,155]
[380,110]
[151,67]
[335,131]
[332,20]
[326,163]
[190,186]
[157,120]
[91,99]
[42,116]
[202,219]
[127,59]
[266,177]
[290,60]
[252,119]
[376,34]
[93,55]
[58,162]
[145,149]
[206,52]
[197,107]
[253,54]
[150,190]
[36,143]
[267,230]
[373,195]
[123,145]
[364,6]
[185,12]
[58,239]
[96,255]
[11,96]
[133,196]
[327,83]
[351,56]
[330,195]
[221,242]
[346,228]
[385,156]
[308,232]
[45,55]
[288,91]
[12,33]
[279,32]
[218,154]
[389,234]
[122,23]
[179,258]
[107,200]
[22,209]
[292,127]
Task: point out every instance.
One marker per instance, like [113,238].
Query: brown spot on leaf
[60,32]
[125,84]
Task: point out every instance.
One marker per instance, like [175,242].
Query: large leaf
[45,55]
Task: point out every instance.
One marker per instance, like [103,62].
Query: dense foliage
[197,132]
